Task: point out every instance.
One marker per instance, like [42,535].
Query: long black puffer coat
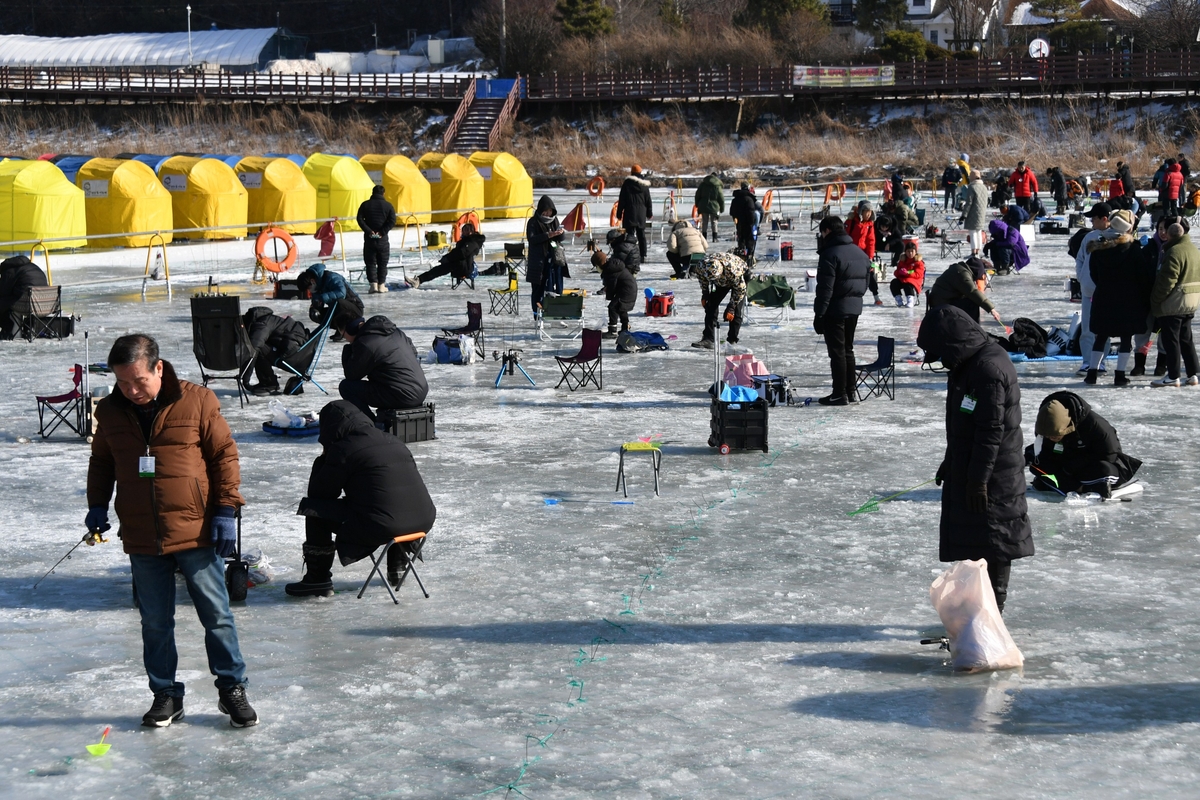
[619,284]
[541,243]
[1123,278]
[983,441]
[1088,453]
[382,354]
[284,334]
[842,269]
[461,259]
[384,494]
[16,275]
[634,205]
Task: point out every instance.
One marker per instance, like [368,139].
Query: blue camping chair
[303,363]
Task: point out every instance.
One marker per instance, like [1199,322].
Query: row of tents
[62,197]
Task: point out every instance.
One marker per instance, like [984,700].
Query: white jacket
[687,241]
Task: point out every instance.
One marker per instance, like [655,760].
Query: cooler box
[660,305]
[287,290]
[785,251]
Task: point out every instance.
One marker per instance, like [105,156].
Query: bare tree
[1167,24]
[968,17]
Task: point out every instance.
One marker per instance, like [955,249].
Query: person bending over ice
[910,275]
[381,364]
[1079,450]
[272,337]
[364,490]
[329,293]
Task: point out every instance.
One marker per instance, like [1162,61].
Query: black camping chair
[220,341]
[303,363]
[514,256]
[473,328]
[879,376]
[37,314]
[586,366]
[504,301]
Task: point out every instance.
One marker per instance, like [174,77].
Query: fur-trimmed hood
[639,181]
[1110,242]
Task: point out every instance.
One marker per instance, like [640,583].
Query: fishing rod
[91,539]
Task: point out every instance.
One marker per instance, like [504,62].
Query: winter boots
[397,560]
[704,344]
[1160,366]
[1119,379]
[374,289]
[1139,365]
[611,333]
[1090,379]
[318,573]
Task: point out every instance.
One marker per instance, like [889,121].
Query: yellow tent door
[38,202]
[205,193]
[342,186]
[454,185]
[505,183]
[122,196]
[278,192]
[403,185]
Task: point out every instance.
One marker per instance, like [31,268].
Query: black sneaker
[307,588]
[234,703]
[831,400]
[295,385]
[264,391]
[166,709]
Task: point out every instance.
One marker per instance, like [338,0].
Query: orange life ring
[595,187]
[696,214]
[1074,189]
[835,191]
[768,200]
[613,220]
[268,234]
[469,218]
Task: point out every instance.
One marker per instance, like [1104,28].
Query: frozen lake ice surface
[738,636]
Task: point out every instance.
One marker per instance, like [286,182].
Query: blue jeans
[554,279]
[154,581]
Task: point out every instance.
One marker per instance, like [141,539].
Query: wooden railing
[507,114]
[459,116]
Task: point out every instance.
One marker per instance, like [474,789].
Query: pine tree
[587,19]
[770,14]
[1055,10]
[877,17]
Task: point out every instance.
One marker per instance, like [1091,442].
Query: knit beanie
[599,258]
[1053,421]
[1122,221]
[636,169]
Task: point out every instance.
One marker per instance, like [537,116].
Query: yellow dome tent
[403,185]
[454,184]
[278,192]
[205,193]
[38,202]
[342,186]
[122,196]
[505,183]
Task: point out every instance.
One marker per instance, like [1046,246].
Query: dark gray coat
[984,443]
[382,354]
[842,270]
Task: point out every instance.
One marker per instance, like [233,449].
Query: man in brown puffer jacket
[165,446]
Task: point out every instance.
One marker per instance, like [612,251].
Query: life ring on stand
[835,192]
[595,187]
[614,221]
[267,235]
[1074,189]
[768,200]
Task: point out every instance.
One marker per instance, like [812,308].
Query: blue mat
[1019,358]
[308,430]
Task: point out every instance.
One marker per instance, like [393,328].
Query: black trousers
[1175,336]
[839,342]
[616,311]
[375,256]
[366,395]
[998,572]
[640,233]
[677,264]
[712,307]
[873,282]
[325,519]
[1025,204]
[263,366]
[746,237]
[900,287]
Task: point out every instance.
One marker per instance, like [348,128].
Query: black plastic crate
[739,426]
[1051,227]
[288,289]
[409,424]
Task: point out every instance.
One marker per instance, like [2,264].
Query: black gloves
[819,325]
[977,498]
[941,474]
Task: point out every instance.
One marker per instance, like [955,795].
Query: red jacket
[912,272]
[862,233]
[1171,186]
[1024,183]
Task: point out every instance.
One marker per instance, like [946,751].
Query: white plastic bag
[979,640]
[282,417]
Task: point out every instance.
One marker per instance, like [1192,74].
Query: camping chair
[589,362]
[770,291]
[473,328]
[468,279]
[220,342]
[567,309]
[63,409]
[504,301]
[952,248]
[879,376]
[409,565]
[303,363]
[814,219]
[38,314]
[514,256]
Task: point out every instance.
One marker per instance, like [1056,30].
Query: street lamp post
[189,12]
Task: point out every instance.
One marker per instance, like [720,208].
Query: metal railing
[465,106]
[507,114]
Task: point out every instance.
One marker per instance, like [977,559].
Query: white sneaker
[908,301]
[899,301]
[374,289]
[1193,380]
[413,282]
[1165,381]
[383,288]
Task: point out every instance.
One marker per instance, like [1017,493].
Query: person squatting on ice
[962,285]
[1120,308]
[545,236]
[982,475]
[273,337]
[621,289]
[376,216]
[328,291]
[384,497]
[684,242]
[721,275]
[381,364]
[842,270]
[909,280]
[164,445]
[1078,449]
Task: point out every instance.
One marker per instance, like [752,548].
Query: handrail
[463,107]
[507,114]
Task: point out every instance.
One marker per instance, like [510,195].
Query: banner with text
[844,76]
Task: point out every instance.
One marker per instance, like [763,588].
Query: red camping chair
[63,409]
[588,361]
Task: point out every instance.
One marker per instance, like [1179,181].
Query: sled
[311,429]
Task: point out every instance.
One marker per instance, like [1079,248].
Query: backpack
[1028,337]
[640,342]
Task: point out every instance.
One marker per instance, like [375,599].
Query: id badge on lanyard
[146,465]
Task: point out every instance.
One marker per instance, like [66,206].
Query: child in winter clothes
[860,227]
[621,289]
[910,275]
